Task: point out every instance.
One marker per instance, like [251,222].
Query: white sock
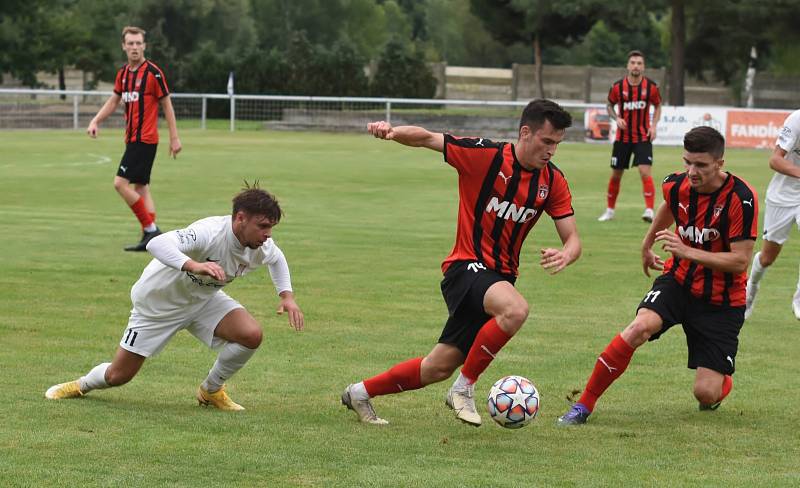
[95,379]
[757,271]
[359,391]
[230,360]
[151,228]
[461,382]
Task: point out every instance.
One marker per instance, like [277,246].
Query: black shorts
[464,285]
[712,331]
[621,154]
[137,162]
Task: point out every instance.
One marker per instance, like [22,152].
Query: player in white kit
[782,208]
[182,289]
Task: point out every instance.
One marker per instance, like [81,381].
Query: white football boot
[607,215]
[463,402]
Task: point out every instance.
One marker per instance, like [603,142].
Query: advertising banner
[751,128]
[677,121]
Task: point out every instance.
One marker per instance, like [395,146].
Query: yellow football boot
[218,399]
[71,389]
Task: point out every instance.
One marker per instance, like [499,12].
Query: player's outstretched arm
[169,114]
[662,220]
[554,260]
[408,135]
[107,109]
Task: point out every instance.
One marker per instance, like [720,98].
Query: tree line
[321,47]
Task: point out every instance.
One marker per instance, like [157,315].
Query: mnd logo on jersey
[637,105]
[510,211]
[698,236]
[128,97]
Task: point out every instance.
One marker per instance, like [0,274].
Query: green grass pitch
[366,226]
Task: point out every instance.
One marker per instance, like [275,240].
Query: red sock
[153,216]
[400,377]
[727,386]
[488,342]
[141,213]
[609,366]
[613,191]
[649,191]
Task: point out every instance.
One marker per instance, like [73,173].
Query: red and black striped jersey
[499,201]
[141,89]
[711,222]
[633,106]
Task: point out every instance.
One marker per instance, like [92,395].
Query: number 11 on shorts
[651,295]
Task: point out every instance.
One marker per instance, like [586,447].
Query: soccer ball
[513,402]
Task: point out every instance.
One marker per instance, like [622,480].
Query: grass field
[366,226]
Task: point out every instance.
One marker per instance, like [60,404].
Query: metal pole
[389,112]
[75,112]
[233,113]
[203,114]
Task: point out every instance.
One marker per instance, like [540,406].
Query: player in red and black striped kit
[503,191]
[629,102]
[703,284]
[141,85]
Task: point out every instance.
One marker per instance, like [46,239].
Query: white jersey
[165,291]
[784,190]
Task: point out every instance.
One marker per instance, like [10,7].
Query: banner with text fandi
[754,128]
[675,122]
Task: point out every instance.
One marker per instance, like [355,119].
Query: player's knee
[514,316]
[638,333]
[705,394]
[252,338]
[120,184]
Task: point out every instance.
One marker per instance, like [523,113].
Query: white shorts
[147,336]
[778,222]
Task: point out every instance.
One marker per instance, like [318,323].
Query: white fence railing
[73,109]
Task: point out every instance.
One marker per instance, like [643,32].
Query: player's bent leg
[711,387]
[509,308]
[123,368]
[243,335]
[123,187]
[404,376]
[611,363]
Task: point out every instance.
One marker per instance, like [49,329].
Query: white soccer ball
[513,402]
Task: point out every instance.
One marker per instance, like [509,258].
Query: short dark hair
[252,200]
[539,110]
[634,53]
[705,139]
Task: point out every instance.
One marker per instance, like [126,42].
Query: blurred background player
[633,96]
[503,191]
[182,289]
[703,283]
[782,208]
[141,85]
